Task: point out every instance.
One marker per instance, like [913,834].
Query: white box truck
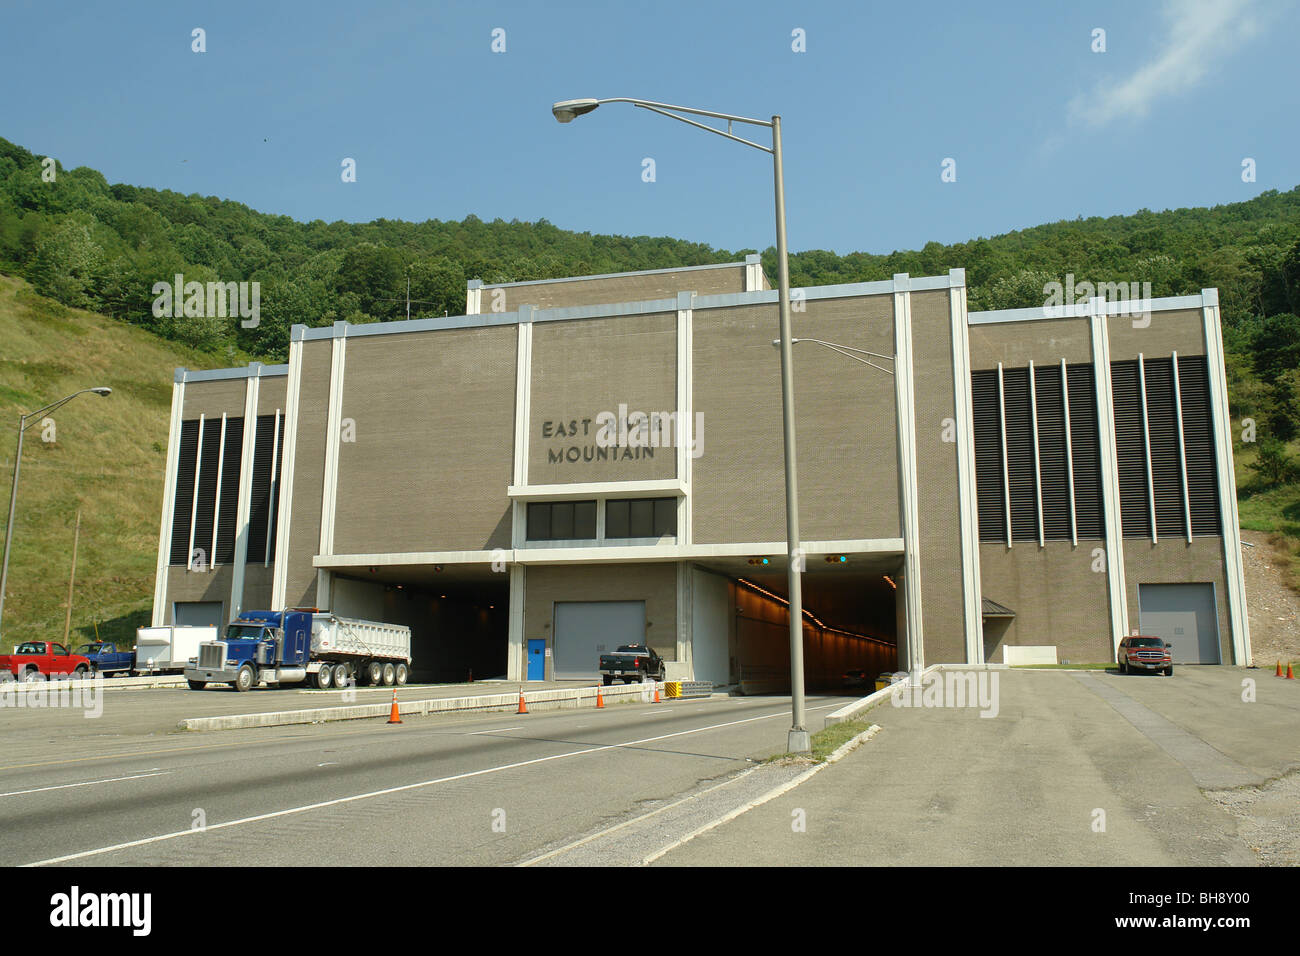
[168,650]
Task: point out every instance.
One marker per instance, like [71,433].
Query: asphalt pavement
[469,789]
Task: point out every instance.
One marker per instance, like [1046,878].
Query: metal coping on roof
[749,259]
[956,278]
[253,370]
[1097,306]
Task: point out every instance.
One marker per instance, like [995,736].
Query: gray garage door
[1184,615]
[198,614]
[586,629]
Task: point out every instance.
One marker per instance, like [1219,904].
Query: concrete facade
[413,452]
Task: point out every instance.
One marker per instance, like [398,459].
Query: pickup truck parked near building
[34,660]
[631,662]
[105,658]
[1140,653]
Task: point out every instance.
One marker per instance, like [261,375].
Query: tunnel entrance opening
[850,631]
[458,615]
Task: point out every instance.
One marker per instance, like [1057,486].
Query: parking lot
[1077,768]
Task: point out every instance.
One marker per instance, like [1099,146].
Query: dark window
[640,518]
[616,519]
[562,520]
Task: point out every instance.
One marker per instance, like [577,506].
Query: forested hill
[93,245]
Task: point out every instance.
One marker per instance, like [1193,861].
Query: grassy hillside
[107,461]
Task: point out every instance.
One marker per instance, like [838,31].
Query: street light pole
[566,111]
[797,740]
[13,493]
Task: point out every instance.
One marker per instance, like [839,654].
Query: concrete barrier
[157,680]
[565,698]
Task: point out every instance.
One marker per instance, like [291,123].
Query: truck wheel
[197,684]
[244,679]
[341,675]
[401,673]
[31,675]
[325,677]
[375,673]
[390,675]
[607,679]
[80,672]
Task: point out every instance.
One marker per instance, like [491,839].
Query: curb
[561,699]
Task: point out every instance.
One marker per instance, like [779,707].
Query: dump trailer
[167,650]
[303,645]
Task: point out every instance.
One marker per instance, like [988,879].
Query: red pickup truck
[33,660]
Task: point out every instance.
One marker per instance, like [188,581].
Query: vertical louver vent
[1198,444]
[229,504]
[988,455]
[1050,481]
[1085,452]
[1130,450]
[1053,478]
[184,504]
[268,447]
[214,523]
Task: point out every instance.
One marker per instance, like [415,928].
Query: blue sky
[1040,127]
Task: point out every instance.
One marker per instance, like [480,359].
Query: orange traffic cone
[1290,675]
[657,692]
[600,701]
[523,708]
[1279,668]
[394,717]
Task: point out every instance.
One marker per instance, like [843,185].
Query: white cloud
[1201,35]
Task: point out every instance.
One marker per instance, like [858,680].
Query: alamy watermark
[213,300]
[1134,298]
[624,435]
[58,691]
[976,689]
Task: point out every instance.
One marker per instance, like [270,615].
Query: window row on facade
[205,514]
[1038,461]
[624,518]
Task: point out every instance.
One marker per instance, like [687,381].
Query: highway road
[464,790]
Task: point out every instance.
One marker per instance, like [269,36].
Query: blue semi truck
[303,645]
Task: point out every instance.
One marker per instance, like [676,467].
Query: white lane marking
[501,731]
[155,772]
[402,789]
[328,763]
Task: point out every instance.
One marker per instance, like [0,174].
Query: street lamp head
[566,110]
[102,390]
